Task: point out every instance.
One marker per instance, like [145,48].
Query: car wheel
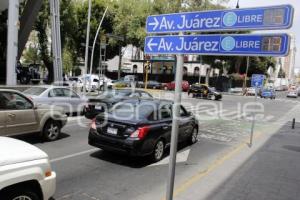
[51,130]
[213,97]
[158,151]
[194,136]
[20,194]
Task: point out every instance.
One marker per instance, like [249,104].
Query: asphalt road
[86,173]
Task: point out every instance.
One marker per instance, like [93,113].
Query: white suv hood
[14,151]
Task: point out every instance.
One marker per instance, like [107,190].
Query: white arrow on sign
[150,44]
[180,158]
[155,23]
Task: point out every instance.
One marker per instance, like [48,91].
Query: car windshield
[36,91]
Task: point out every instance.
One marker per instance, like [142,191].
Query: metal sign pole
[174,134]
[253,121]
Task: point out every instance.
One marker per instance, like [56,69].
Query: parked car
[171,86]
[95,82]
[27,74]
[236,90]
[25,172]
[203,91]
[141,128]
[57,96]
[150,85]
[268,93]
[126,81]
[250,91]
[109,98]
[19,115]
[292,93]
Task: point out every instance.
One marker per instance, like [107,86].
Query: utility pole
[87,47]
[12,42]
[56,41]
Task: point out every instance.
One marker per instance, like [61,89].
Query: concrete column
[12,42]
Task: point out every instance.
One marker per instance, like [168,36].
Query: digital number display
[274,16]
[271,44]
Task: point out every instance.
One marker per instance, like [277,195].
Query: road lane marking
[74,155]
[214,165]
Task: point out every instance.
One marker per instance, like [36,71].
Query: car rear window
[131,111]
[35,91]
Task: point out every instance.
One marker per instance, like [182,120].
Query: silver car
[61,96]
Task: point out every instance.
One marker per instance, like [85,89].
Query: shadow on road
[36,138]
[129,161]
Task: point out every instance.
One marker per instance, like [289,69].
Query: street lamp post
[87,47]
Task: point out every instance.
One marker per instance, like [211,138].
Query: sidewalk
[272,172]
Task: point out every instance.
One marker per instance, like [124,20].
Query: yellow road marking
[218,162]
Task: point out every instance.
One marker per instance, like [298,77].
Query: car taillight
[93,124]
[140,133]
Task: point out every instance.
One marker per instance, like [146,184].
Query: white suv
[25,172]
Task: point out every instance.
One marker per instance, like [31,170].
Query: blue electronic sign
[265,18]
[245,44]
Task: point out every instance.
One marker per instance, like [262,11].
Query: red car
[171,86]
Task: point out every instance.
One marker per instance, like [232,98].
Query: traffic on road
[144,100]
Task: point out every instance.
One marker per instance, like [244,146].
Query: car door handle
[11,115]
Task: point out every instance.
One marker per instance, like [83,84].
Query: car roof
[148,101]
[48,86]
[9,90]
[131,90]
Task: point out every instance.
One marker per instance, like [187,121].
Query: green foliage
[31,55]
[68,65]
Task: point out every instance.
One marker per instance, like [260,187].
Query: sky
[295,30]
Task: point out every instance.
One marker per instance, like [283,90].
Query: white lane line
[74,155]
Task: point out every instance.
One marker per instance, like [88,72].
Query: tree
[68,65]
[68,24]
[31,55]
[98,8]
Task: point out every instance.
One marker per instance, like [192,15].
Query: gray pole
[120,61]
[87,47]
[253,121]
[56,41]
[100,66]
[245,80]
[175,126]
[12,42]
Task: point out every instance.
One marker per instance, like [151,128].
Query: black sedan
[141,128]
[203,91]
[150,85]
[109,98]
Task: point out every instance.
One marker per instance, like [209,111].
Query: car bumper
[64,120]
[128,147]
[292,95]
[48,186]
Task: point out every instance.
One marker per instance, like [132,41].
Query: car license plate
[112,131]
